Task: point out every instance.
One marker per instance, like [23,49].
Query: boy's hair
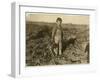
[58,19]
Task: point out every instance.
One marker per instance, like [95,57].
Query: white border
[19,68]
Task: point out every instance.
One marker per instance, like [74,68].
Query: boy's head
[58,21]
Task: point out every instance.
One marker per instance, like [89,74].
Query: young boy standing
[57,36]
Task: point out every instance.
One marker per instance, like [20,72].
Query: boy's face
[58,23]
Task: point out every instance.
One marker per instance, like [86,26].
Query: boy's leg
[56,46]
[60,48]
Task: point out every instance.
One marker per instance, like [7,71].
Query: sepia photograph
[56,39]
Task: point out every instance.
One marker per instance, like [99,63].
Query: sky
[51,18]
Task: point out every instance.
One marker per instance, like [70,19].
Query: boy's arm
[53,33]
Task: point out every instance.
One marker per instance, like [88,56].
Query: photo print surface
[56,39]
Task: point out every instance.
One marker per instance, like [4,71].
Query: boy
[57,36]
